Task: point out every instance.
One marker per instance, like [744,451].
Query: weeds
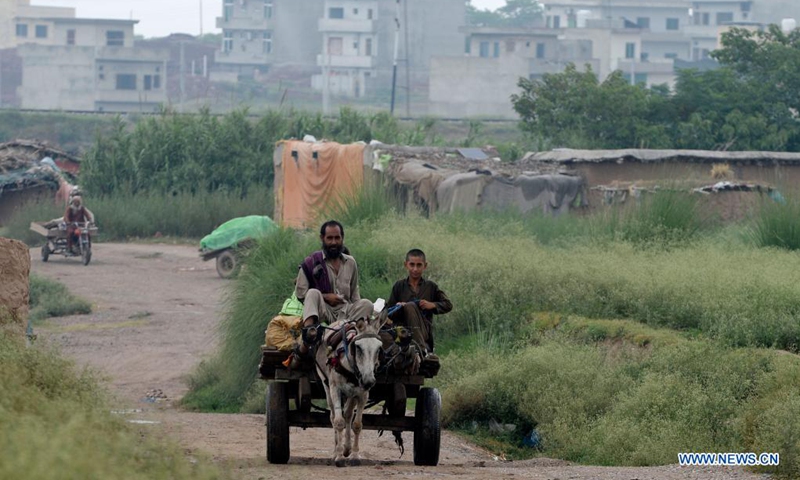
[49,298]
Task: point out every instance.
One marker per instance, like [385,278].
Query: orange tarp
[308,185]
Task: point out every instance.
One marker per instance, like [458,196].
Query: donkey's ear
[361,324]
[381,318]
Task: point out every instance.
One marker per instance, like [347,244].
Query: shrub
[49,298]
[776,224]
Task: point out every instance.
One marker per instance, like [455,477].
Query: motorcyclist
[76,213]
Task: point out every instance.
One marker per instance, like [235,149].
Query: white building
[85,64]
[349,31]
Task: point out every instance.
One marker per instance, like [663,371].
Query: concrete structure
[110,79]
[260,34]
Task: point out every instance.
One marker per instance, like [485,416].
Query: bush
[664,218]
[49,298]
[611,404]
[777,224]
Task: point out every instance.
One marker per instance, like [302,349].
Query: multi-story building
[259,34]
[367,31]
[84,64]
[349,47]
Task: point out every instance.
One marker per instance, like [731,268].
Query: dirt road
[155,318]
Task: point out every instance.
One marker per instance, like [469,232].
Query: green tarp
[234,231]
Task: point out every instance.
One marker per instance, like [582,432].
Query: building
[368,31]
[349,47]
[84,64]
[260,34]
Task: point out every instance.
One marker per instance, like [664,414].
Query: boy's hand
[333,299]
[426,305]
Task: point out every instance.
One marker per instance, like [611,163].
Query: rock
[15,268]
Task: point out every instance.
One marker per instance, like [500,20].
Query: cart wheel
[45,252]
[428,433]
[278,423]
[227,264]
[86,254]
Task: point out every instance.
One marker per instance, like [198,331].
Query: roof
[23,165]
[95,21]
[566,156]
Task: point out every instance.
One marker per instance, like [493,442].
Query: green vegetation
[49,298]
[72,133]
[659,334]
[55,423]
[126,216]
[729,108]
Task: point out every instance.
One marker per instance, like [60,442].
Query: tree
[521,13]
[515,13]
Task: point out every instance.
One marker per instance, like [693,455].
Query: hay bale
[15,267]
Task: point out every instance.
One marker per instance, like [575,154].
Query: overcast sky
[158,18]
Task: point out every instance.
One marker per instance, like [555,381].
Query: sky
[158,18]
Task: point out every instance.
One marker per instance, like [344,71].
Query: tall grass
[125,215]
[618,404]
[777,224]
[256,295]
[55,423]
[666,217]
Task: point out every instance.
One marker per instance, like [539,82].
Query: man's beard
[332,251]
[74,208]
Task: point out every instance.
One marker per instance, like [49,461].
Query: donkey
[347,376]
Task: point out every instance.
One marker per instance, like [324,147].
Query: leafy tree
[521,13]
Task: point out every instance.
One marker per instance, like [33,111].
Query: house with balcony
[261,34]
[349,47]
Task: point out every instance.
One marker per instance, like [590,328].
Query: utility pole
[182,81]
[408,60]
[396,50]
[201,18]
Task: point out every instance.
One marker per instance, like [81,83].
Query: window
[115,38]
[638,78]
[126,81]
[355,11]
[369,14]
[572,20]
[746,6]
[643,22]
[335,45]
[267,42]
[496,49]
[540,50]
[71,37]
[41,31]
[148,82]
[630,50]
[227,9]
[673,56]
[227,41]
[156,81]
[468,46]
[484,49]
[556,21]
[336,12]
[267,8]
[701,18]
[673,24]
[722,18]
[645,57]
[368,47]
[22,30]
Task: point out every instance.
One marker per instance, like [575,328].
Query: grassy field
[55,423]
[49,298]
[621,340]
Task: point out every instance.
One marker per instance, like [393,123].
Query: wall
[15,263]
[8,10]
[74,78]
[469,86]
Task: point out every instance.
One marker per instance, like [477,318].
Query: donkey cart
[300,386]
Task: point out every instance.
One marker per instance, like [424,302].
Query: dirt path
[156,310]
